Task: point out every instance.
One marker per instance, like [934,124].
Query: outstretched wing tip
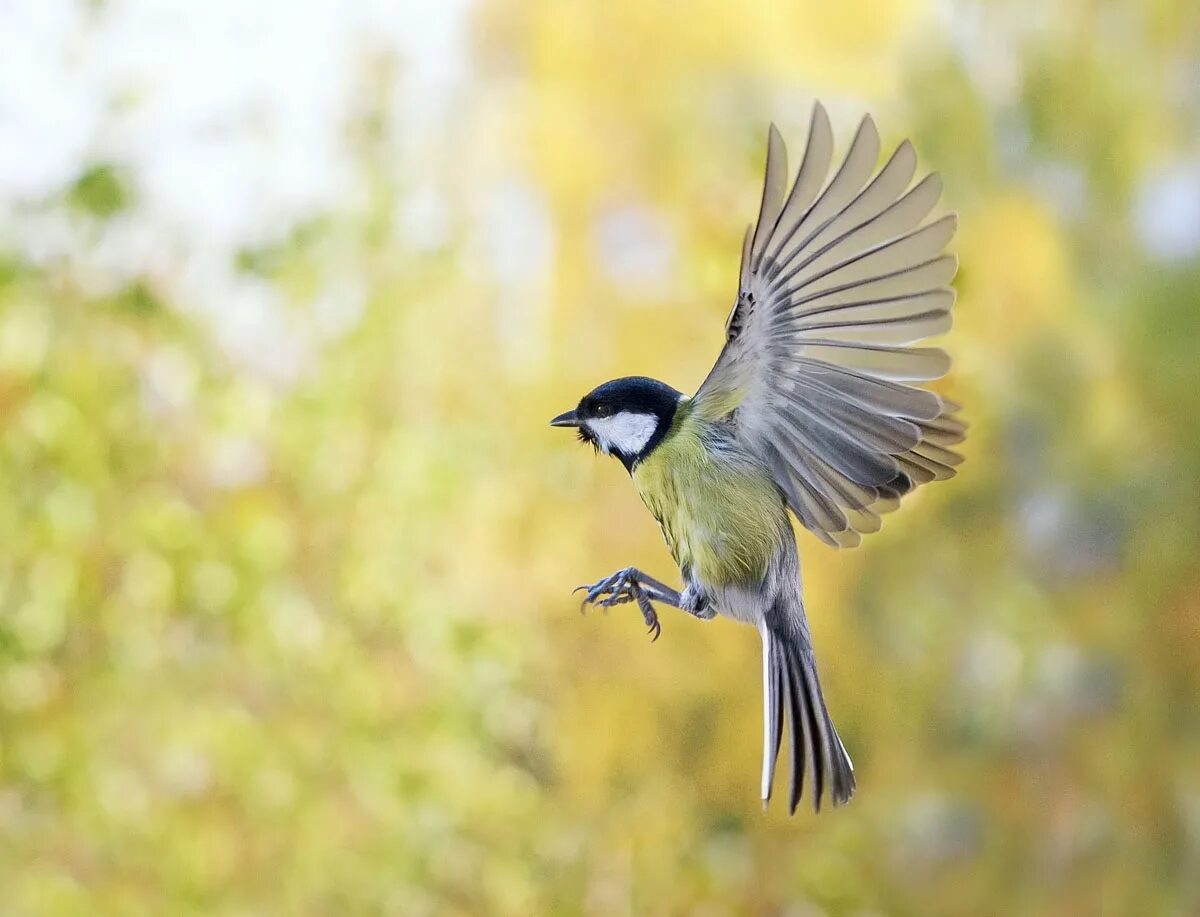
[867,130]
[951,259]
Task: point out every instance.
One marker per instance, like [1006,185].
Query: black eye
[602,410]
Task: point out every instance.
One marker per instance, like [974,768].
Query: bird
[816,408]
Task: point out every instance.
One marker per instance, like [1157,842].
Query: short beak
[566,419]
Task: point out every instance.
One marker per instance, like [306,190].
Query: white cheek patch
[625,432]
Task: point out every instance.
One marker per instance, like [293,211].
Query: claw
[649,615]
[583,604]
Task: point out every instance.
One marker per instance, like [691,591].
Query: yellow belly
[723,520]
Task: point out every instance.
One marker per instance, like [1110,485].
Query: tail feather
[790,683]
[773,690]
[799,729]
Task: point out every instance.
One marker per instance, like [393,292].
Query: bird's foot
[630,585]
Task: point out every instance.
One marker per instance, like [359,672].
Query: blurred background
[288,292]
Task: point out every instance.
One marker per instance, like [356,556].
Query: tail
[790,683]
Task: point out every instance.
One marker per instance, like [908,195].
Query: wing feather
[811,507]
[857,314]
[813,169]
[819,374]
[774,188]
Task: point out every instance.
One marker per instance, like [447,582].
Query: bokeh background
[288,292]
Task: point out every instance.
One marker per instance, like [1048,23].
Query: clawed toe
[650,616]
[621,588]
[596,591]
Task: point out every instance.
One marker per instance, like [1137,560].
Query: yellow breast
[723,518]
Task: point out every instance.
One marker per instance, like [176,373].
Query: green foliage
[100,191]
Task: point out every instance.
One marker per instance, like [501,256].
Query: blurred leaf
[100,191]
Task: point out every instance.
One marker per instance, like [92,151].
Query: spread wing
[839,278]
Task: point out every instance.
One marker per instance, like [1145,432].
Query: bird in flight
[814,407]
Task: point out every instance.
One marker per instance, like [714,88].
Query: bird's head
[625,417]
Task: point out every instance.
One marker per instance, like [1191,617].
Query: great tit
[811,407]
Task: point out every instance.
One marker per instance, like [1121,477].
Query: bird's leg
[695,601]
[632,585]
